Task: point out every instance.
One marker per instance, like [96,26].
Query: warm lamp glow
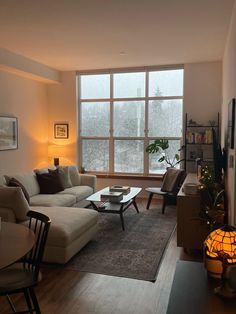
[56,151]
[221,244]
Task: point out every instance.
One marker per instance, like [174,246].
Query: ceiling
[96,34]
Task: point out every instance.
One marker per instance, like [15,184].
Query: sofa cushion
[13,198]
[53,200]
[16,183]
[44,170]
[80,192]
[74,175]
[29,181]
[50,183]
[64,176]
[67,224]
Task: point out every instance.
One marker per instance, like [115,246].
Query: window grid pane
[127,85]
[165,118]
[129,156]
[95,118]
[129,118]
[95,155]
[95,86]
[166,83]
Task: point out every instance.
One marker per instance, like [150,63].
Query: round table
[15,241]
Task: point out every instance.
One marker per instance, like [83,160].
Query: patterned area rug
[134,253]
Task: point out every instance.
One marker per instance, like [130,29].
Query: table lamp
[221,245]
[55,152]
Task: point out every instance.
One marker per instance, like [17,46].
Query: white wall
[26,100]
[229,92]
[63,108]
[202,90]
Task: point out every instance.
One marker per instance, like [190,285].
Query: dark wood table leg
[94,206]
[122,218]
[149,200]
[135,205]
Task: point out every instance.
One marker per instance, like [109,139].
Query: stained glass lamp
[221,245]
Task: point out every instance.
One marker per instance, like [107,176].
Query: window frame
[111,138]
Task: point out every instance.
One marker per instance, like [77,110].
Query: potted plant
[160,147]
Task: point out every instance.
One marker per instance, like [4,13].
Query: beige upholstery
[7,214]
[83,186]
[2,181]
[89,180]
[29,181]
[67,223]
[74,175]
[13,198]
[71,228]
[80,192]
[57,199]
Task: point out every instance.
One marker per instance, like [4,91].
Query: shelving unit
[198,143]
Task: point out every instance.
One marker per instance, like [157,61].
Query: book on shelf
[120,188]
[113,197]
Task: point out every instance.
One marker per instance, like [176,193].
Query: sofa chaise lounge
[72,226]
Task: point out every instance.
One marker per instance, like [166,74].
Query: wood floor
[67,291]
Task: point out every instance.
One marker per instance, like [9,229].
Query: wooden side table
[192,292]
[16,240]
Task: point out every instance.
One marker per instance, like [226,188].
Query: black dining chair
[172,181]
[22,276]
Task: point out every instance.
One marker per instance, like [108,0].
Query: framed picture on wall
[231,124]
[8,133]
[61,130]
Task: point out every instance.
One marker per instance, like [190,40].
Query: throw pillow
[44,170]
[50,183]
[13,198]
[16,183]
[64,176]
[74,175]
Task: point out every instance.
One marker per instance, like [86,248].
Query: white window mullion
[111,140]
[146,156]
[79,139]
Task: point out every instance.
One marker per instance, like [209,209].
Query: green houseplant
[160,147]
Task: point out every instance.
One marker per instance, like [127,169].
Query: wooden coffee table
[115,208]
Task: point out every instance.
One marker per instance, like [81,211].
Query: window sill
[157,177]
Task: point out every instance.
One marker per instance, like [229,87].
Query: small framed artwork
[61,130]
[8,133]
[231,124]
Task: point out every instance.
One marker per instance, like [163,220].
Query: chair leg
[149,200]
[11,304]
[28,300]
[35,301]
[163,204]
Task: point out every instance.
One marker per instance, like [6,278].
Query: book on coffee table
[113,197]
[120,188]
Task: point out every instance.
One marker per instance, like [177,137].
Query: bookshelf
[198,142]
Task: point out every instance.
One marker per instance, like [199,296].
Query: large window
[120,114]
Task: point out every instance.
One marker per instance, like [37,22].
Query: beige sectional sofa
[72,226]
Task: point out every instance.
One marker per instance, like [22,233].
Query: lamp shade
[221,244]
[56,151]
